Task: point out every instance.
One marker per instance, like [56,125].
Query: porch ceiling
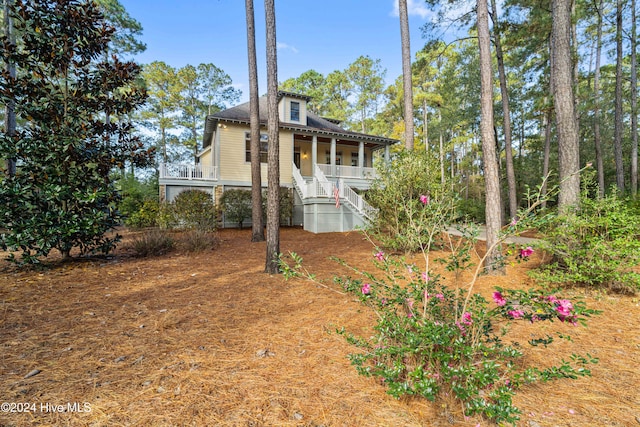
[301,137]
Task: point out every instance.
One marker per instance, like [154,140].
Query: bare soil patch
[208,339]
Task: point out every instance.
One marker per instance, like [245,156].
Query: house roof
[315,124]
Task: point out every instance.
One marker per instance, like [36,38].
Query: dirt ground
[208,339]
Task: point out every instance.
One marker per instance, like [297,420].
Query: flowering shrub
[437,341]
[431,339]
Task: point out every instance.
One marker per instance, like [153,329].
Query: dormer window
[295,111]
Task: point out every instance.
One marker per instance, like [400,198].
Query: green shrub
[153,243]
[286,205]
[395,193]
[472,210]
[145,216]
[139,205]
[236,205]
[596,245]
[433,339]
[194,209]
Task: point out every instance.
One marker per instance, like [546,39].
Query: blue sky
[324,35]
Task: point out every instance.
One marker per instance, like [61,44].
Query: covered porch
[349,159]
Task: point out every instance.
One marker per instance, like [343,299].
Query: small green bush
[191,209]
[596,245]
[395,194]
[194,209]
[472,210]
[145,216]
[153,243]
[286,205]
[236,205]
[139,203]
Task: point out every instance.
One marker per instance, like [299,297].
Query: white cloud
[414,7]
[280,45]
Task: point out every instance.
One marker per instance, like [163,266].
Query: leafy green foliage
[190,210]
[62,196]
[596,245]
[236,205]
[139,205]
[396,194]
[286,205]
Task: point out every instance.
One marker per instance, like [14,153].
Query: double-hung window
[295,111]
[264,146]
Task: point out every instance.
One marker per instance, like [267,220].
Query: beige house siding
[284,109]
[206,158]
[233,164]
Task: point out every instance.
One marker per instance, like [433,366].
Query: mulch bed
[208,339]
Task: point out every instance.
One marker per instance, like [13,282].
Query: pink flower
[499,299]
[366,289]
[380,256]
[440,297]
[526,252]
[424,199]
[425,277]
[513,222]
[564,308]
[466,318]
[516,314]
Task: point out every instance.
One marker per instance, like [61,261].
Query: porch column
[361,158]
[314,154]
[333,156]
[387,156]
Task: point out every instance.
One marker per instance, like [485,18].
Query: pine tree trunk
[442,177]
[508,146]
[273,156]
[257,221]
[491,176]
[547,153]
[634,103]
[617,137]
[406,75]
[596,106]
[568,148]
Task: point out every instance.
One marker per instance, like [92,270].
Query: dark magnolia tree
[62,195]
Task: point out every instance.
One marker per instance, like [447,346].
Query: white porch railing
[318,187]
[347,194]
[188,172]
[339,171]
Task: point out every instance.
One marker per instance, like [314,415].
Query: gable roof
[315,124]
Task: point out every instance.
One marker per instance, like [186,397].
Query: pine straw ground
[210,340]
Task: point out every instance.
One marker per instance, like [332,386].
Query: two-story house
[325,164]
